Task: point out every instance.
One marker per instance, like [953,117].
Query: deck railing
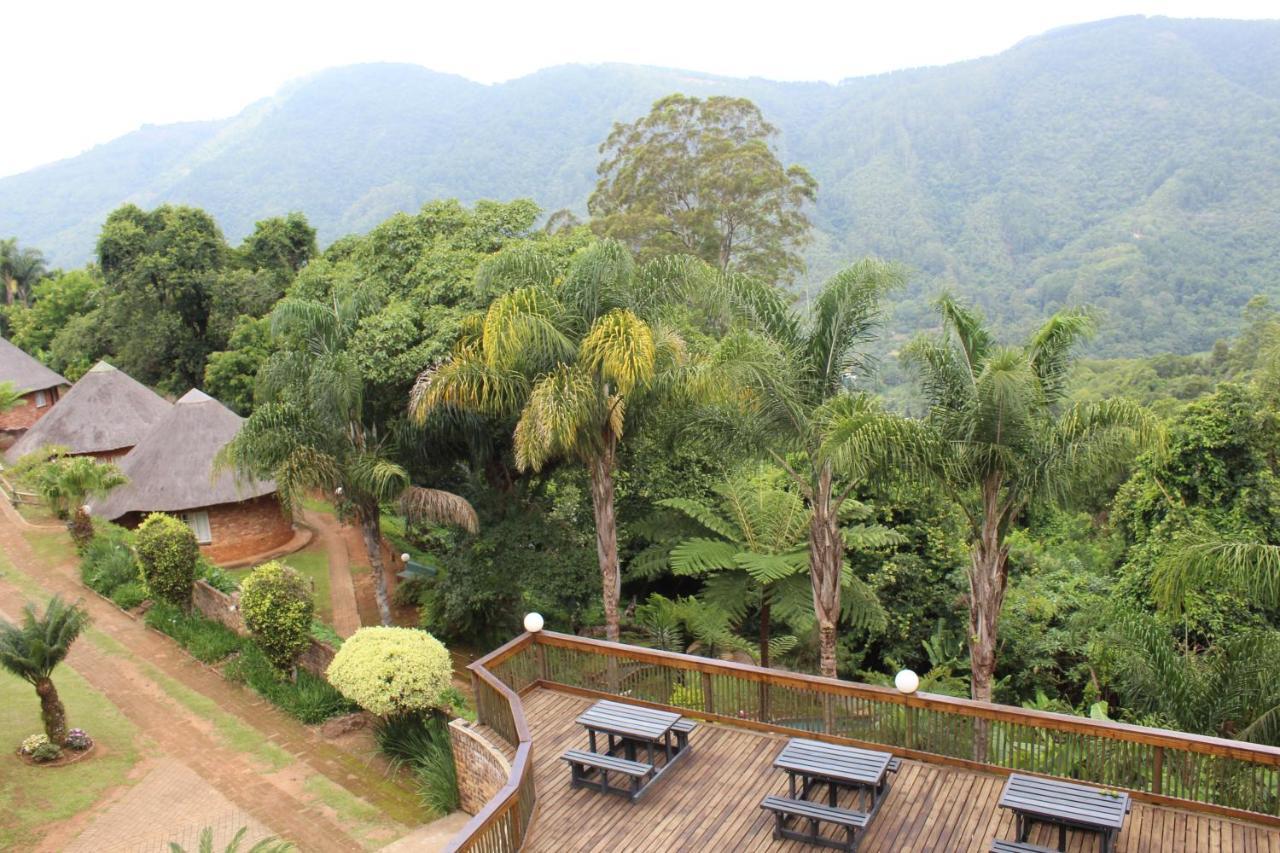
[504,821]
[1156,765]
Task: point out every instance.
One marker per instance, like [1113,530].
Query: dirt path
[342,591]
[155,684]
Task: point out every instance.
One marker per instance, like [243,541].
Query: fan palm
[20,269]
[312,430]
[752,551]
[34,649]
[790,380]
[571,355]
[1005,439]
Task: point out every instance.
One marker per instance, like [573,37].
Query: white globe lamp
[533,623]
[907,682]
[404,558]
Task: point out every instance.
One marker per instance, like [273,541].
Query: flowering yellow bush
[390,671]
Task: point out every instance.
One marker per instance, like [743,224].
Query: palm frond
[620,347]
[439,507]
[1049,349]
[1202,561]
[847,311]
[699,556]
[564,415]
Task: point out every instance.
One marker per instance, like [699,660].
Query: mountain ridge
[1132,163]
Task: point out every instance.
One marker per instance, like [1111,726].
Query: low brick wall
[482,769]
[220,607]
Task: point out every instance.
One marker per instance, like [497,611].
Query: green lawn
[52,547]
[32,798]
[312,563]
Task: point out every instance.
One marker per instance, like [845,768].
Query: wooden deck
[711,803]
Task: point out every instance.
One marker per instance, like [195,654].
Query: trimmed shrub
[391,671]
[168,553]
[277,607]
[129,595]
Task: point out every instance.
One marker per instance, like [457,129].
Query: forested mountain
[1133,164]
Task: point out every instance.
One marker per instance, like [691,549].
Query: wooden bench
[683,729]
[999,846]
[580,776]
[895,764]
[783,809]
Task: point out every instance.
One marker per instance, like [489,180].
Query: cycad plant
[1005,438]
[66,482]
[573,355]
[312,429]
[790,382]
[751,550]
[33,649]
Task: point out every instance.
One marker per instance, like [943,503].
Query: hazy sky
[80,73]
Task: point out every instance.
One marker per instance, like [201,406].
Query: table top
[1065,801]
[628,720]
[830,761]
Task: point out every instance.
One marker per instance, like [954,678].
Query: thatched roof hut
[172,470]
[25,372]
[104,414]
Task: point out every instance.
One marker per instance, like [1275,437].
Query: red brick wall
[482,769]
[238,530]
[250,527]
[20,418]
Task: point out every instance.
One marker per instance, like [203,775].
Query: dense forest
[1131,164]
[660,443]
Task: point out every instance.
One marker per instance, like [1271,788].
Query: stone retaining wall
[220,607]
[482,769]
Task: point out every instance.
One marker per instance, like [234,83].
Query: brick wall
[20,418]
[482,769]
[220,607]
[246,528]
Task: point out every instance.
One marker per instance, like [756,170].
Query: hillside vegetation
[1132,164]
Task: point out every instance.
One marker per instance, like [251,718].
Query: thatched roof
[106,410]
[172,469]
[25,372]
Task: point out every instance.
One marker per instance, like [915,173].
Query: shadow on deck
[711,803]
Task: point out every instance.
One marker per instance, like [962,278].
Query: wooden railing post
[1157,771]
[708,701]
[540,655]
[828,713]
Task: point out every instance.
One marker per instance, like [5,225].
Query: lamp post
[908,683]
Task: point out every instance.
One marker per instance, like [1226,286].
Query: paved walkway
[342,591]
[134,680]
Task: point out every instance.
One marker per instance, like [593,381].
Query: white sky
[82,72]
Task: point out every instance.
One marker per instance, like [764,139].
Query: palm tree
[571,354]
[271,844]
[752,551]
[33,649]
[312,430]
[790,380]
[20,269]
[67,482]
[1005,439]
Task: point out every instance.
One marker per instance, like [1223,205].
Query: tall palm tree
[752,551]
[1006,438]
[33,649]
[571,354]
[313,431]
[20,269]
[790,380]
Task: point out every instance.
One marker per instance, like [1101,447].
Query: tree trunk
[601,470]
[80,527]
[52,713]
[765,607]
[988,576]
[826,554]
[371,527]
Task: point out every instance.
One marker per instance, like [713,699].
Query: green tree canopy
[701,177]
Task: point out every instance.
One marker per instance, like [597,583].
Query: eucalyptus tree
[572,353]
[790,384]
[751,550]
[34,648]
[313,430]
[1006,438]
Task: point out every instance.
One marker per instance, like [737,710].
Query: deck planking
[711,803]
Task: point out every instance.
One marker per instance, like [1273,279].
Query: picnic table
[628,729]
[1066,805]
[814,763]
